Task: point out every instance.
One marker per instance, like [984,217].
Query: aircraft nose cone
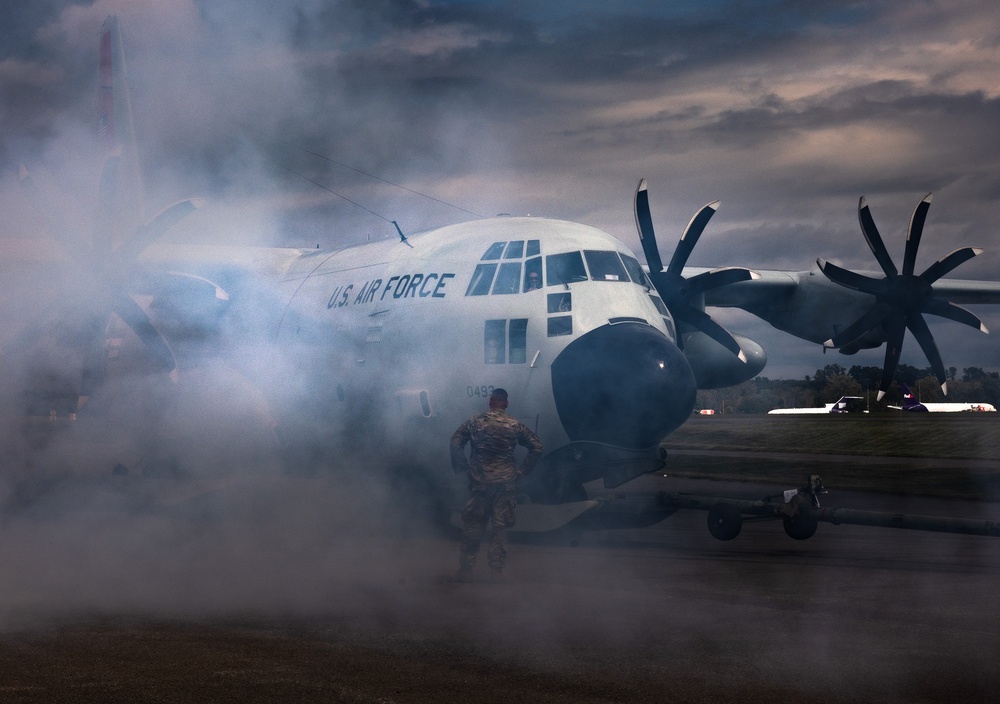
[625,385]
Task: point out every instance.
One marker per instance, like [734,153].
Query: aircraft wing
[850,311]
[775,285]
[770,286]
[968,291]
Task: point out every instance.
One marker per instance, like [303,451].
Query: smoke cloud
[547,110]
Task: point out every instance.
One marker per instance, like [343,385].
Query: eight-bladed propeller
[101,279]
[901,298]
[680,294]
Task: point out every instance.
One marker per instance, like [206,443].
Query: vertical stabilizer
[116,131]
[910,401]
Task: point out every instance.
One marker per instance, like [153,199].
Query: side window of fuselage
[495,342]
[518,340]
[561,302]
[499,337]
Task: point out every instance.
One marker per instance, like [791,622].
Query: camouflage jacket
[494,436]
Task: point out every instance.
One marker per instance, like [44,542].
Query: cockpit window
[509,278]
[605,266]
[564,268]
[635,271]
[482,277]
[515,250]
[533,249]
[494,252]
[532,274]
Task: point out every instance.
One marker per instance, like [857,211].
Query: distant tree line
[760,395]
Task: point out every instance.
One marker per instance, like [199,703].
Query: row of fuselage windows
[516,267]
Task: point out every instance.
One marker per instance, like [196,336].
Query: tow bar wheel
[724,521]
[800,527]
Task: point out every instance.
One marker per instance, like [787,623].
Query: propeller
[901,297]
[102,274]
[680,294]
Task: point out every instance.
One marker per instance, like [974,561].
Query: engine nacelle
[715,367]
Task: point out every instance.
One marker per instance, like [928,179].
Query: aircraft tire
[724,521]
[800,527]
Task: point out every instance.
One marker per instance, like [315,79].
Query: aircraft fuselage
[392,344]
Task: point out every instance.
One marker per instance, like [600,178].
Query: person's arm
[527,438]
[461,438]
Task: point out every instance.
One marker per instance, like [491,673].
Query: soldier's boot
[496,576]
[464,574]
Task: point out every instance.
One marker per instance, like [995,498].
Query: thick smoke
[496,113]
[221,487]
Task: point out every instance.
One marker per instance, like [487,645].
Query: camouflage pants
[490,505]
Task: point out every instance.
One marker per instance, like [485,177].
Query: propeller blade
[947,263]
[671,284]
[852,280]
[913,233]
[644,224]
[719,277]
[149,233]
[873,318]
[893,347]
[104,222]
[690,237]
[874,239]
[136,318]
[918,326]
[947,309]
[702,321]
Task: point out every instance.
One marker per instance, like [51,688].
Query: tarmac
[299,591]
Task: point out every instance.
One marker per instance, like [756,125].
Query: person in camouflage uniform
[492,472]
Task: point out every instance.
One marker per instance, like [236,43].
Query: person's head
[498,399]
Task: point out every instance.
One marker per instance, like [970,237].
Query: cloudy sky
[786,111]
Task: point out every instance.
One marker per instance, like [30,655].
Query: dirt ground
[271,598]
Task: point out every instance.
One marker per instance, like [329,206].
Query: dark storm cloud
[786,111]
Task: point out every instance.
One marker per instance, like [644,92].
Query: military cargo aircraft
[388,346]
